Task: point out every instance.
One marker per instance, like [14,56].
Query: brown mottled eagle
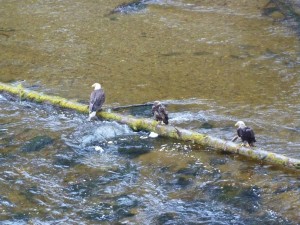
[160,113]
[96,100]
[245,133]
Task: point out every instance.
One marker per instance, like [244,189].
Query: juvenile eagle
[160,113]
[96,100]
[245,133]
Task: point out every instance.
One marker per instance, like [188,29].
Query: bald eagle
[245,133]
[96,100]
[160,113]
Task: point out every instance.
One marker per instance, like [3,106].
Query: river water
[211,62]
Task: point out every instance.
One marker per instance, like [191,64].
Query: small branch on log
[130,106]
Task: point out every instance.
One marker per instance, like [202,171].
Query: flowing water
[211,62]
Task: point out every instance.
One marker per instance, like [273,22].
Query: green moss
[197,138]
[34,96]
[10,89]
[154,124]
[173,134]
[109,116]
[137,125]
[250,153]
[276,160]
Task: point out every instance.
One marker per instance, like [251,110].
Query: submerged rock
[5,202]
[83,189]
[37,143]
[134,146]
[124,205]
[184,181]
[112,209]
[133,150]
[166,218]
[207,125]
[192,170]
[30,193]
[65,160]
[125,201]
[100,212]
[246,198]
[218,161]
[131,7]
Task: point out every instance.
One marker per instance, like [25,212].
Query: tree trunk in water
[153,126]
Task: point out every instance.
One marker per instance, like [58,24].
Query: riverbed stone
[124,206]
[5,202]
[192,170]
[99,212]
[166,218]
[65,160]
[131,7]
[184,181]
[207,125]
[218,161]
[247,198]
[37,143]
[134,147]
[133,150]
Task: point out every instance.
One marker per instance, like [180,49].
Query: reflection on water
[212,63]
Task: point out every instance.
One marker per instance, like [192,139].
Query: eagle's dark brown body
[246,134]
[96,100]
[160,113]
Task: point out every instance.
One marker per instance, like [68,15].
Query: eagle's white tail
[91,115]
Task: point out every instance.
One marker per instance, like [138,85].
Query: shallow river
[211,62]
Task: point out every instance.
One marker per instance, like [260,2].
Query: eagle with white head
[97,99]
[245,133]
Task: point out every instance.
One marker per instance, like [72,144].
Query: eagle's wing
[102,98]
[153,109]
[164,114]
[92,100]
[251,134]
[239,132]
[97,99]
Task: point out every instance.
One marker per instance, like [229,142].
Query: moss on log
[163,130]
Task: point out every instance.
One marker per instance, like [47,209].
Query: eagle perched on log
[160,113]
[97,99]
[245,133]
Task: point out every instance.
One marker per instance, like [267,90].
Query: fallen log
[150,125]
